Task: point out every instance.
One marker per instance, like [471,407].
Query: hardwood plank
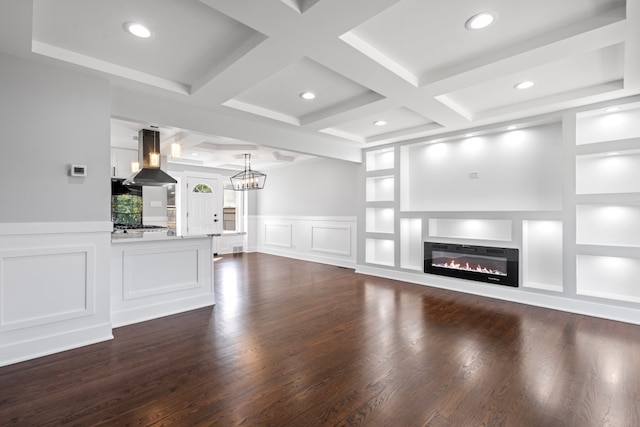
[297,343]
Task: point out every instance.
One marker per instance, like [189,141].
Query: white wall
[315,187]
[506,171]
[54,229]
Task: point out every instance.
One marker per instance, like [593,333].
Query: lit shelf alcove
[611,277]
[411,242]
[380,220]
[474,229]
[380,159]
[542,255]
[608,225]
[380,251]
[380,188]
[608,173]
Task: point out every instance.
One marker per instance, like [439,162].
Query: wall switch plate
[78,170]
[474,175]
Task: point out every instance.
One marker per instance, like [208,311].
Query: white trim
[505,293]
[303,218]
[338,262]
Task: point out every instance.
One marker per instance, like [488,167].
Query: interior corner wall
[308,211]
[52,118]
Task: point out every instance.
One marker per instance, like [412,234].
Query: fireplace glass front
[480,263]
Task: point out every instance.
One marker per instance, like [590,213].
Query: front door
[203,206]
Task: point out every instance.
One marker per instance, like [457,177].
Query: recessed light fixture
[524,85]
[195,154]
[307,95]
[512,127]
[468,135]
[137,29]
[481,20]
[613,153]
[379,123]
[612,109]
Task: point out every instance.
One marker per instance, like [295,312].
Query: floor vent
[237,249]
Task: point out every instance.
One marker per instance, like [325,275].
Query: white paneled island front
[154,274]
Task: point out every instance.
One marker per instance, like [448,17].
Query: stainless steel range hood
[149,142]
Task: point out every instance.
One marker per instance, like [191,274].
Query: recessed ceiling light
[612,109]
[195,154]
[524,85]
[137,29]
[379,123]
[512,127]
[613,153]
[481,20]
[468,135]
[307,95]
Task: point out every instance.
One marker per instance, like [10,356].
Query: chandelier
[248,179]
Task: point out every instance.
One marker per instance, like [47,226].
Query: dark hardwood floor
[293,343]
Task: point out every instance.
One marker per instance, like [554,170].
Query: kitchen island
[155,274]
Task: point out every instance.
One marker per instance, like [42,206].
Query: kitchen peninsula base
[157,275]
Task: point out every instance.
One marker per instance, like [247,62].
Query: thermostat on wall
[78,170]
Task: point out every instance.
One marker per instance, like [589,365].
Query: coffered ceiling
[381,70]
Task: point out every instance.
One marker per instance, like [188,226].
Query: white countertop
[146,236]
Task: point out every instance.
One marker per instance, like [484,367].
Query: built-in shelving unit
[470,228]
[380,211]
[542,255]
[608,204]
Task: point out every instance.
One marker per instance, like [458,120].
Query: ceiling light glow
[379,123]
[481,20]
[512,127]
[612,109]
[524,85]
[308,95]
[137,29]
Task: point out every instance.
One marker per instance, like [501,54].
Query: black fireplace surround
[481,263]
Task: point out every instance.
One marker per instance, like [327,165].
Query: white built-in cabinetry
[608,203]
[121,159]
[502,189]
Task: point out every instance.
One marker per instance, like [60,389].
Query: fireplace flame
[452,264]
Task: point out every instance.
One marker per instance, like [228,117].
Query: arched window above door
[202,188]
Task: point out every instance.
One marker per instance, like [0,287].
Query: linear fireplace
[480,263]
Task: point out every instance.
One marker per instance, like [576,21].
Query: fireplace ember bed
[480,263]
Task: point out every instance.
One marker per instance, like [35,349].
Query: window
[232,209]
[202,188]
[126,209]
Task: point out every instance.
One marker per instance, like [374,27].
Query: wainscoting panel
[157,271]
[331,240]
[328,240]
[44,285]
[54,288]
[277,235]
[155,278]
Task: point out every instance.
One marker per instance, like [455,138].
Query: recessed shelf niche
[379,220]
[380,159]
[542,255]
[476,229]
[380,188]
[411,256]
[608,173]
[608,225]
[380,251]
[608,277]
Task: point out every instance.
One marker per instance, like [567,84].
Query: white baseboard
[518,295]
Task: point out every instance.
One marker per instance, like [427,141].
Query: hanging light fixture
[248,179]
[154,155]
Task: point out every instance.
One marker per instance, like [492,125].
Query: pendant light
[248,179]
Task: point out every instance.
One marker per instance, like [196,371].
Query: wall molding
[30,228]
